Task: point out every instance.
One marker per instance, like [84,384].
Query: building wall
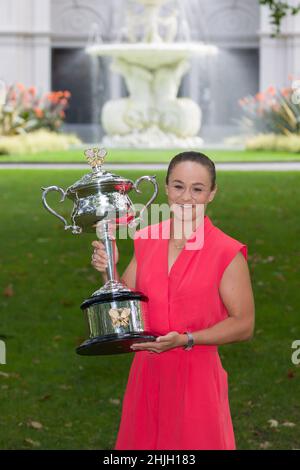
[25,42]
[279,58]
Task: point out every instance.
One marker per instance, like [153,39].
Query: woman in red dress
[200,296]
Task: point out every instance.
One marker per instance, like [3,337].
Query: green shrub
[41,140]
[284,143]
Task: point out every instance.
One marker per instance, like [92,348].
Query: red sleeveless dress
[178,399]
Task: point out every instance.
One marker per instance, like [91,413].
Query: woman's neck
[182,230]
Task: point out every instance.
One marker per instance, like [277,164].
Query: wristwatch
[190,342]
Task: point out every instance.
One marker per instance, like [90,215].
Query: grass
[151,156]
[45,274]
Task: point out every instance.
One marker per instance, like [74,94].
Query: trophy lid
[99,178]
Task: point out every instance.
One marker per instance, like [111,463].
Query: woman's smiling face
[189,190]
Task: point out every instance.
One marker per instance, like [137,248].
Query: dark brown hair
[197,157]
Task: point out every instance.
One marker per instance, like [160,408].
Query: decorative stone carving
[75,18]
[215,20]
[151,22]
[153,102]
[231,17]
[153,70]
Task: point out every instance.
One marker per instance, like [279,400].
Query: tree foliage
[278,11]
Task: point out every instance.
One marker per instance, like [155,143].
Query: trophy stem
[103,234]
[112,284]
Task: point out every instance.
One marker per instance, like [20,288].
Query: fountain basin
[152,55]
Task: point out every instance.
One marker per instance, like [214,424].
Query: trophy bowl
[115,315]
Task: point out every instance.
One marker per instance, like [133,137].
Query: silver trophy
[115,315]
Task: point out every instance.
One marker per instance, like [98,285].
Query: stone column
[279,57]
[25,48]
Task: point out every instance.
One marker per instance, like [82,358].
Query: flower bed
[24,110]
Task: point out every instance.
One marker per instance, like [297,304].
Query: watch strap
[190,342]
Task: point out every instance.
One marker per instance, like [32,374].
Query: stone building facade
[42,43]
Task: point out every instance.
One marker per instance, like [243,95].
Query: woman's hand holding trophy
[99,256]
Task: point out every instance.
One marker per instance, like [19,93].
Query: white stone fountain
[152,66]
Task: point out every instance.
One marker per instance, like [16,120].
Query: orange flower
[259,96]
[32,90]
[52,97]
[271,90]
[64,102]
[20,86]
[285,91]
[39,112]
[67,94]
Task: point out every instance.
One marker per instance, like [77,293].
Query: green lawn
[45,274]
[152,156]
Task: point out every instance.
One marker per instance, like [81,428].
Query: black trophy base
[112,344]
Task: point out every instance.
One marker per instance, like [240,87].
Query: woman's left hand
[161,344]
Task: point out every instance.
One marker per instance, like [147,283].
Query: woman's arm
[237,296]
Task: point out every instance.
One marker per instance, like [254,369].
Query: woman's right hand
[99,257]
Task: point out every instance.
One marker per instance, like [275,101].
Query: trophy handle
[74,228]
[136,221]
